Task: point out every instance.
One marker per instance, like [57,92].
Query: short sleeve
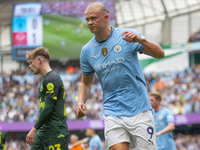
[52,86]
[85,65]
[169,116]
[137,46]
[88,139]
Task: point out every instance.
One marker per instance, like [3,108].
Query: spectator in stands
[18,94]
[164,123]
[187,141]
[18,82]
[159,84]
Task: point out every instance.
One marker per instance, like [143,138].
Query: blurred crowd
[17,145]
[183,142]
[19,96]
[187,142]
[19,93]
[180,89]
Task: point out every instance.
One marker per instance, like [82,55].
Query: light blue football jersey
[117,66]
[94,142]
[161,120]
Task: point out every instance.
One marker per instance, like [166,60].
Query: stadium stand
[18,94]
[180,90]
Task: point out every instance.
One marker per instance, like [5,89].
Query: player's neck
[45,69]
[158,108]
[103,35]
[92,135]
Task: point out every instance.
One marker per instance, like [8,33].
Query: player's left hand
[132,37]
[80,110]
[30,136]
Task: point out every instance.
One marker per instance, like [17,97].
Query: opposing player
[50,131]
[164,123]
[112,55]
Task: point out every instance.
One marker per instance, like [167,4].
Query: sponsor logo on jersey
[104,51]
[117,48]
[109,63]
[60,136]
[50,86]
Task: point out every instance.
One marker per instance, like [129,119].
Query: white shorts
[138,130]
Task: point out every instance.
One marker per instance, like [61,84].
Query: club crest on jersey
[104,51]
[117,48]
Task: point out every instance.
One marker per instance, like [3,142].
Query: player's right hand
[30,136]
[132,37]
[80,110]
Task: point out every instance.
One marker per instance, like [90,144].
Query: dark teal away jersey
[52,114]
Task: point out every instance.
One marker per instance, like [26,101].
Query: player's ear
[106,16]
[39,59]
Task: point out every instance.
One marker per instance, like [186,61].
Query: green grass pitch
[62,37]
